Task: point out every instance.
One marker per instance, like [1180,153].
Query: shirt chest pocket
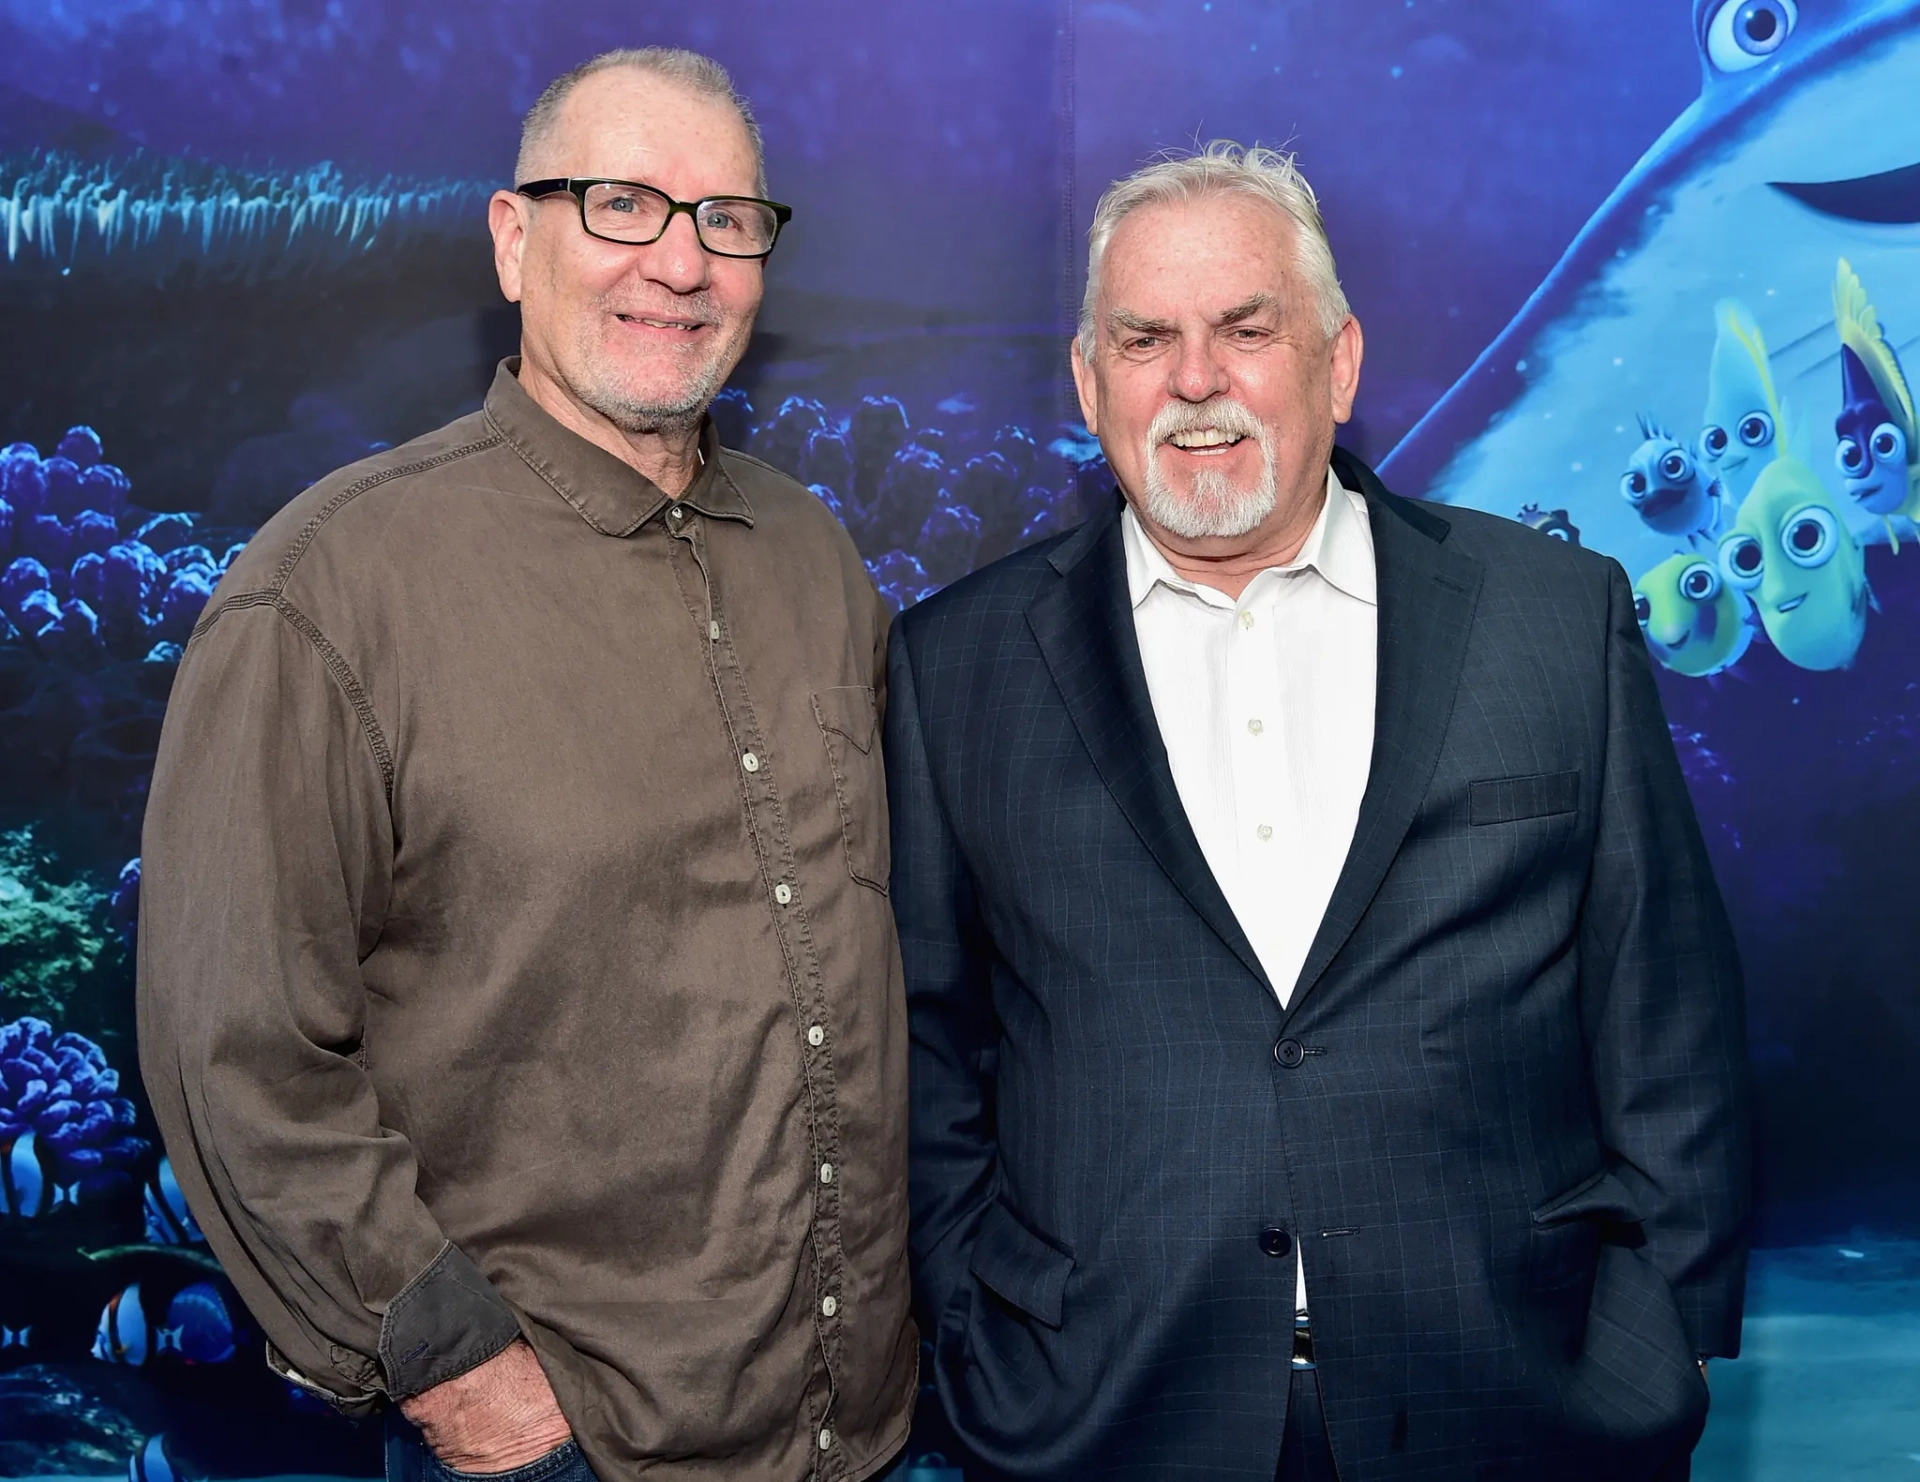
[850,728]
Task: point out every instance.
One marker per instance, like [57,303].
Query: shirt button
[713,631]
[826,1439]
[829,1306]
[1255,726]
[1265,831]
[750,762]
[676,514]
[816,1036]
[826,1173]
[783,892]
[1246,618]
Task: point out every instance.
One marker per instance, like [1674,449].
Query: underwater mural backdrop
[1644,276]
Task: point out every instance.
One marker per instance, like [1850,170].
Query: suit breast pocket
[849,721]
[1511,799]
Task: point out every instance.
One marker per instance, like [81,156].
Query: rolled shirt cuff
[447,1320]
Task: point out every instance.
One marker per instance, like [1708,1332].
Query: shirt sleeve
[1662,998]
[267,863]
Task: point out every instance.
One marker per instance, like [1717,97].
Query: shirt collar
[1339,547]
[611,496]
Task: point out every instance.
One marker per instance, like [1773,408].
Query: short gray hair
[697,73]
[1222,168]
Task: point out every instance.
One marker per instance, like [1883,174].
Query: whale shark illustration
[1803,148]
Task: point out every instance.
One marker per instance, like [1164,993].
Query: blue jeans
[409,1459]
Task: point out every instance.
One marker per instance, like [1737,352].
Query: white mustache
[1220,415]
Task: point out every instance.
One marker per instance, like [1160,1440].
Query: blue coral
[60,1087]
[70,584]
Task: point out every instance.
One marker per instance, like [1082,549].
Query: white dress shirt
[1266,709]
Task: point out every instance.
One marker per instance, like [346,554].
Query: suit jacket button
[1289,1053]
[1275,1241]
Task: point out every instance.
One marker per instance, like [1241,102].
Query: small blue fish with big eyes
[193,1328]
[1669,490]
[1743,418]
[1878,451]
[1553,522]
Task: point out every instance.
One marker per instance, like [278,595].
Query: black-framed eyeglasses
[635,214]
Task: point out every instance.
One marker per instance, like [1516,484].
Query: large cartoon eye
[1744,33]
[1700,582]
[1756,429]
[1889,444]
[1642,609]
[1809,535]
[1713,443]
[1851,457]
[1742,561]
[1634,486]
[1676,467]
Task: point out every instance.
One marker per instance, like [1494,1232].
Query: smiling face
[1694,622]
[1662,483]
[640,336]
[1791,551]
[1212,387]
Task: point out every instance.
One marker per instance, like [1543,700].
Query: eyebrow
[1132,323]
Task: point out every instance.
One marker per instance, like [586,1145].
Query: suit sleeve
[951,1025]
[268,857]
[1662,1002]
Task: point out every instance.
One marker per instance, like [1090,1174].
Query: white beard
[1216,506]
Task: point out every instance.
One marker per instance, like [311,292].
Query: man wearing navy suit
[1327,1048]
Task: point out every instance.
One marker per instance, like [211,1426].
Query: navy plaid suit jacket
[1504,1118]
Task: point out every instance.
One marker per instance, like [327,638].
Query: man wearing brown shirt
[518,991]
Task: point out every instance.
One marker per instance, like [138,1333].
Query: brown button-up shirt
[515,955]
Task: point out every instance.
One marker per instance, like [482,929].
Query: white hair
[697,73]
[1222,168]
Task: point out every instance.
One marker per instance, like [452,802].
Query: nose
[1198,372]
[677,260]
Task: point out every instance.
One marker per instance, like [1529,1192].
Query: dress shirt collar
[611,496]
[1339,547]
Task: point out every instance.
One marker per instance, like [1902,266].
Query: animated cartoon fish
[169,1221]
[1791,551]
[1552,522]
[1667,488]
[1742,419]
[152,1463]
[1695,622]
[194,1327]
[26,1189]
[1802,147]
[1879,447]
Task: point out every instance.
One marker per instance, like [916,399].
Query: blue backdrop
[1645,275]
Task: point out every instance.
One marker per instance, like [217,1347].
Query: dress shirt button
[713,631]
[1246,618]
[826,1173]
[816,1036]
[1275,1241]
[1265,831]
[676,514]
[750,762]
[826,1439]
[829,1306]
[1289,1053]
[783,893]
[1255,725]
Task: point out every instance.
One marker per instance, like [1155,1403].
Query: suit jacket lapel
[1084,626]
[1426,595]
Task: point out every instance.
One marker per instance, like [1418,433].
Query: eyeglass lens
[726,224]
